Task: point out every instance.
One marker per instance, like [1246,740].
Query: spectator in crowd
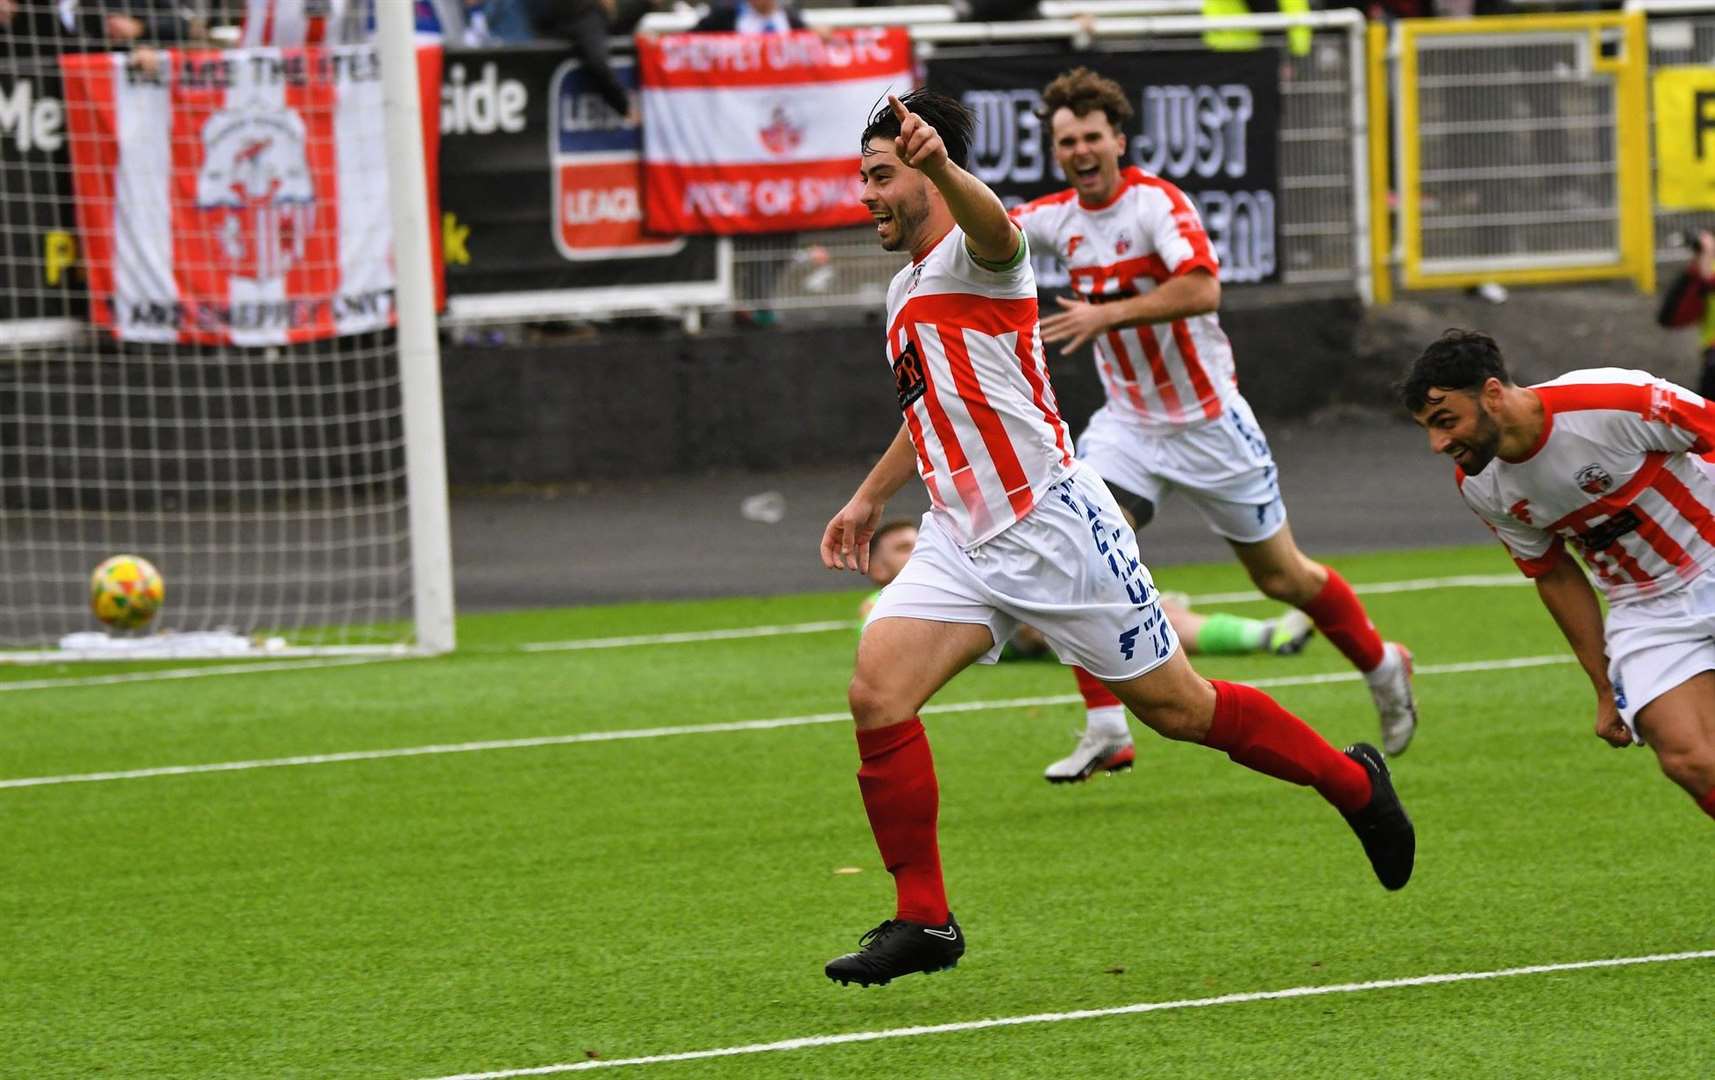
[1297,38]
[291,24]
[44,28]
[1687,303]
[497,22]
[751,17]
[585,25]
[994,10]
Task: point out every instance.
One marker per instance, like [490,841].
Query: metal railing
[1522,148]
[1681,33]
[1324,192]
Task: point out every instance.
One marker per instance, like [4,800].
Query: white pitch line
[680,638]
[1462,581]
[689,636]
[813,1041]
[1458,581]
[166,674]
[698,729]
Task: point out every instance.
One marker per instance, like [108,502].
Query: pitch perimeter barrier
[1321,204]
[1523,150]
[1681,38]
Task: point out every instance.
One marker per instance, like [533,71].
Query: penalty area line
[703,729]
[814,1041]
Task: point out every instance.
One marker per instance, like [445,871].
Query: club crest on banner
[255,184]
[783,133]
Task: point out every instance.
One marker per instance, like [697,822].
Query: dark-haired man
[1148,287]
[1018,531]
[1601,459]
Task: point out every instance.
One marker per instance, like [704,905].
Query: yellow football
[126,591]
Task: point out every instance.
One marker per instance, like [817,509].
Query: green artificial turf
[516,907]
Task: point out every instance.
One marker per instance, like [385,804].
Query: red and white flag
[239,197]
[747,133]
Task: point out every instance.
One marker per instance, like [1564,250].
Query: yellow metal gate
[1522,150]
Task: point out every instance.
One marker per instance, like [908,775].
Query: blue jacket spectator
[751,17]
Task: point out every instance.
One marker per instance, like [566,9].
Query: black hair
[951,120]
[887,529]
[1457,360]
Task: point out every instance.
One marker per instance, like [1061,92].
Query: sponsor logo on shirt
[908,378]
[1605,535]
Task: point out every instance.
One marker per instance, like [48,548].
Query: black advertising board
[1207,121]
[39,275]
[540,182]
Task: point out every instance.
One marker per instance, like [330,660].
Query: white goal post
[276,451]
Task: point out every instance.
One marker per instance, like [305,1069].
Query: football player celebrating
[1018,530]
[1147,284]
[1601,460]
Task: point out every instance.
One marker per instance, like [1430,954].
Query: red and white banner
[239,197]
[746,133]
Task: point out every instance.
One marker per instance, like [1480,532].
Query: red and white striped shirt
[290,24]
[1167,375]
[1612,474]
[973,387]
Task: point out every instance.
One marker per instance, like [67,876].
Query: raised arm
[990,235]
[845,542]
[1567,595]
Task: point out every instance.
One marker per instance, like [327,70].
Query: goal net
[205,358]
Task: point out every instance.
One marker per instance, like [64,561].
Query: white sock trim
[1109,720]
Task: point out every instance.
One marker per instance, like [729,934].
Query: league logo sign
[596,160]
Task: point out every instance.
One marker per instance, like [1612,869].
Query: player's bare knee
[873,706]
[1285,584]
[1692,767]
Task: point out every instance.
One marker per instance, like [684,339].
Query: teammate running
[1148,286]
[1601,459]
[1018,530]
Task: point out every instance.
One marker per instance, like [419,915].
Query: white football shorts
[1069,568]
[1223,466]
[1657,643]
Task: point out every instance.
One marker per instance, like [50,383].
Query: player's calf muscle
[1173,700]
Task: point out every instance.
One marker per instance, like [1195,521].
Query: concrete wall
[626,405]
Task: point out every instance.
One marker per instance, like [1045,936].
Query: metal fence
[1521,149]
[1324,196]
[1680,34]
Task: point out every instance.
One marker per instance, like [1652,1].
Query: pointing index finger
[899,109]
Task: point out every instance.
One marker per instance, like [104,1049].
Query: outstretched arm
[845,542]
[1567,595]
[989,233]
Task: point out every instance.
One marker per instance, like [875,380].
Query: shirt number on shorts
[1156,625]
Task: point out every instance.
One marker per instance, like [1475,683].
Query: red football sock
[1258,734]
[1341,618]
[903,801]
[1096,694]
[1707,802]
